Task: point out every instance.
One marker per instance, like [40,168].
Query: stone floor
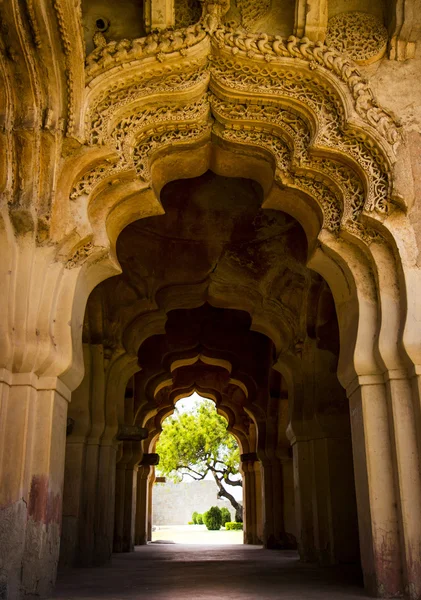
[196,534]
[179,572]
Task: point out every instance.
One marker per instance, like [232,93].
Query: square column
[250,500]
[33,415]
[144,497]
[381,558]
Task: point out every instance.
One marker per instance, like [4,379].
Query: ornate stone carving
[155,140]
[130,128]
[260,46]
[187,12]
[36,36]
[80,255]
[136,137]
[361,36]
[276,83]
[270,48]
[316,185]
[67,49]
[166,79]
[245,64]
[89,180]
[252,10]
[156,45]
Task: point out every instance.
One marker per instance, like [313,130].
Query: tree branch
[199,477]
[234,482]
[223,493]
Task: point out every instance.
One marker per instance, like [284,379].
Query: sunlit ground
[195,534]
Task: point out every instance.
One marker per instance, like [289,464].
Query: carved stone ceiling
[213,244]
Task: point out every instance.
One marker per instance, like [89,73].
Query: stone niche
[274,17]
[115,20]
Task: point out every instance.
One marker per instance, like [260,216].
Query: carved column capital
[150,460]
[249,457]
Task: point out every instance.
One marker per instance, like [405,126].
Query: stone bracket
[249,457]
[150,460]
[131,433]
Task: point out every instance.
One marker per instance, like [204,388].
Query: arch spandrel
[182,61]
[339,167]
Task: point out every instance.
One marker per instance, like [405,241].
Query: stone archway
[295,116]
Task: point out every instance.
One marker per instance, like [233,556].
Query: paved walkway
[196,534]
[183,572]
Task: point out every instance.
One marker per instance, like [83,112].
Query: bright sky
[186,405]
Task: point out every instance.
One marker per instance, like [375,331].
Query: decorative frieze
[361,36]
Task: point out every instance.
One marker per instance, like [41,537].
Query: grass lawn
[195,534]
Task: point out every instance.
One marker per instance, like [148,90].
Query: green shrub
[213,518]
[225,514]
[199,519]
[233,526]
[194,517]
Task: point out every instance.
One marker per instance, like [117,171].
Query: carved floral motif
[361,36]
[347,174]
[259,46]
[138,135]
[278,84]
[187,12]
[252,10]
[270,48]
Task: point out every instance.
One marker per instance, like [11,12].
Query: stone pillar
[381,558]
[129,509]
[90,404]
[33,414]
[324,500]
[289,496]
[303,485]
[249,498]
[150,503]
[404,412]
[104,517]
[142,499]
[74,473]
[274,533]
[130,498]
[119,371]
[123,479]
[259,501]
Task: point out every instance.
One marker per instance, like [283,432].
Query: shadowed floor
[179,572]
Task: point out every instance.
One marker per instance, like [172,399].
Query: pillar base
[285,541]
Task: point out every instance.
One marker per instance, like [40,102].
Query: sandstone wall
[174,503]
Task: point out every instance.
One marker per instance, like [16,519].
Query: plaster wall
[174,503]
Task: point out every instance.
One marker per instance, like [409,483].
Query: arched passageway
[239,317]
[199,468]
[211,209]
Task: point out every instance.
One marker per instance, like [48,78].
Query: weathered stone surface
[222,207]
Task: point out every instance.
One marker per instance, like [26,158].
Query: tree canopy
[197,443]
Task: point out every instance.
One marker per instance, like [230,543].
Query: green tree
[197,443]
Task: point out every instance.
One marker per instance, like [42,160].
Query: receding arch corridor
[178,572]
